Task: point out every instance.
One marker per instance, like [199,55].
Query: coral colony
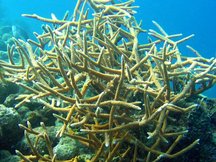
[113,93]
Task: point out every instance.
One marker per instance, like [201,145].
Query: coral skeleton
[105,85]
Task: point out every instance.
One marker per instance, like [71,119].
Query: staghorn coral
[103,82]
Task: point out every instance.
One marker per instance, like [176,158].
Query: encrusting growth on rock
[104,83]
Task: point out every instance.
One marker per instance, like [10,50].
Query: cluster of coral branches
[105,83]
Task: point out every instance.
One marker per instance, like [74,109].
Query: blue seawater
[180,16]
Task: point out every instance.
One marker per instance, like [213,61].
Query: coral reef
[9,130]
[7,32]
[117,96]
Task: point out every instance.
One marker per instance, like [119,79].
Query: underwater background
[197,127]
[179,16]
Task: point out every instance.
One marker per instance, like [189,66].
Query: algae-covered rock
[68,148]
[10,133]
[41,145]
[12,158]
[11,101]
[6,156]
[65,147]
[7,88]
[35,113]
[200,123]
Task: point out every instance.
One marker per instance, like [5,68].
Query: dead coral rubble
[107,84]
